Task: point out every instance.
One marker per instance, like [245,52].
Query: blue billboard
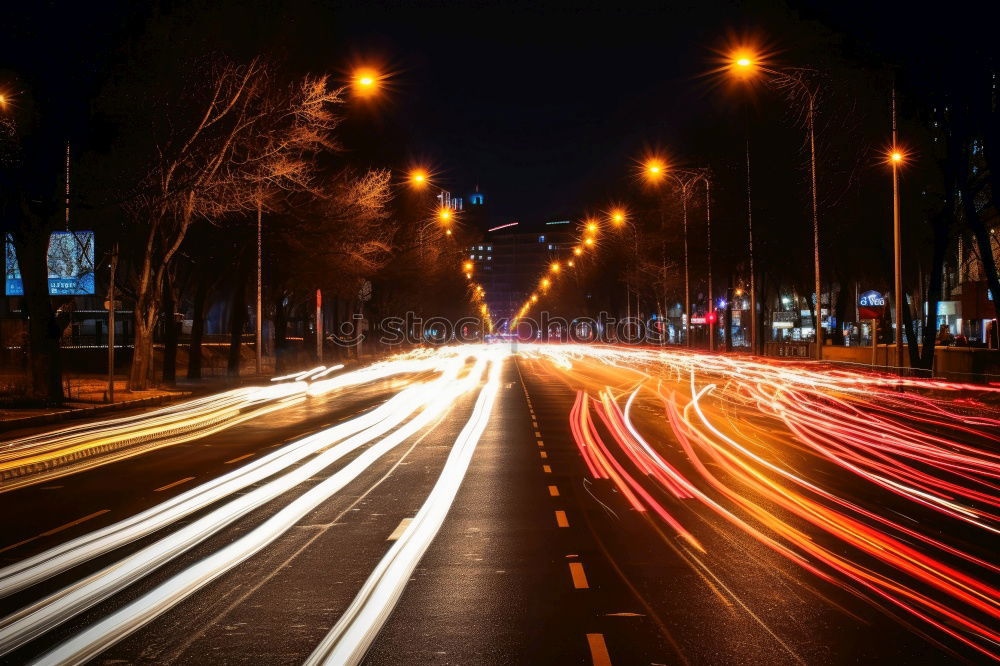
[71,265]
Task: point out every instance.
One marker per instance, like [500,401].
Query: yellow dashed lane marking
[579,577]
[56,529]
[598,650]
[175,483]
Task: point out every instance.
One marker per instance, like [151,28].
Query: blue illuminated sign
[70,263]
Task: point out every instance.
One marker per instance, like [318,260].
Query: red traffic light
[711,317]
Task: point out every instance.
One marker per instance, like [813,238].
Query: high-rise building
[512,257]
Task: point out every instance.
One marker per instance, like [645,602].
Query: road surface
[547,504]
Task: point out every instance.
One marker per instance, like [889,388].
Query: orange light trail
[815,463]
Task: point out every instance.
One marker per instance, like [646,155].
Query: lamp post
[655,170]
[753,283]
[260,309]
[896,158]
[745,65]
[618,218]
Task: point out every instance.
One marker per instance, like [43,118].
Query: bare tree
[226,146]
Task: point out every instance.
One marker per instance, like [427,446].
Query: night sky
[545,107]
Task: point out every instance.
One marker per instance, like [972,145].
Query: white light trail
[357,627]
[384,428]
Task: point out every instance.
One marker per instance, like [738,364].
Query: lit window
[472,256]
[489,247]
[541,239]
[551,246]
[489,258]
[480,248]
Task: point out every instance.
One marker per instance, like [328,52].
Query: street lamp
[365,82]
[418,178]
[896,159]
[685,179]
[746,64]
[620,219]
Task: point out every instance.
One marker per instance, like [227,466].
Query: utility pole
[319,326]
[711,300]
[753,283]
[260,309]
[111,325]
[687,281]
[896,238]
[818,323]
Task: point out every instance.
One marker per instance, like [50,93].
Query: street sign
[871,305]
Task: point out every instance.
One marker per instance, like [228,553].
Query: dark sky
[541,107]
[544,106]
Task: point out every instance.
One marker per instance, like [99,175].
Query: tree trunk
[237,319]
[983,243]
[170,333]
[727,317]
[197,329]
[142,348]
[44,331]
[935,287]
[838,332]
[280,333]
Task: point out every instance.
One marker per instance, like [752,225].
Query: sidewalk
[87,397]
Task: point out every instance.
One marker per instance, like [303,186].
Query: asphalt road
[492,532]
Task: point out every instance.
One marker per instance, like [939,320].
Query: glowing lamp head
[554,267]
[577,251]
[546,282]
[591,226]
[534,298]
[896,156]
[444,214]
[655,170]
[570,263]
[468,266]
[447,232]
[365,82]
[618,217]
[589,242]
[743,63]
[418,178]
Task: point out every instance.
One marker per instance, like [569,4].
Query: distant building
[512,257]
[476,215]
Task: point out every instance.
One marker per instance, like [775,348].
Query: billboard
[71,265]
